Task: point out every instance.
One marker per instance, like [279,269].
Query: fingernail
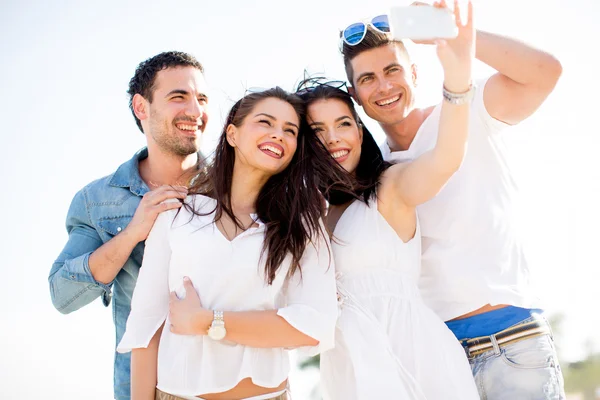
[185,278]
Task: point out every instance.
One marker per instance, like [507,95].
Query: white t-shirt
[228,276]
[471,245]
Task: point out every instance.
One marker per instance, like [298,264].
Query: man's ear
[230,134]
[414,74]
[140,106]
[352,93]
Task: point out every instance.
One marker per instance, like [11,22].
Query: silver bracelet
[459,98]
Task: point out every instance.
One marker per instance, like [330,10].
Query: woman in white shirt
[259,277]
[389,344]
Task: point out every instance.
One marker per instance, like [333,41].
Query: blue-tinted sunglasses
[355,33]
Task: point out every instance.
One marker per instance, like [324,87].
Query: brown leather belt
[510,335]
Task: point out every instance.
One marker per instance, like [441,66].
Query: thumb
[441,49]
[189,287]
[187,283]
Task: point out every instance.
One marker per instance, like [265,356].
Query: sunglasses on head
[310,84]
[355,33]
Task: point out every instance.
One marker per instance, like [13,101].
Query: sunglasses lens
[382,23]
[354,33]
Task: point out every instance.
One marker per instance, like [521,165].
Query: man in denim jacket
[110,218]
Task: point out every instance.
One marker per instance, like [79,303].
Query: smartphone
[422,22]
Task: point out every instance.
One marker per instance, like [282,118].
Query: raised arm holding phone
[474,273]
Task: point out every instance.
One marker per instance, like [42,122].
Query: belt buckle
[465,346]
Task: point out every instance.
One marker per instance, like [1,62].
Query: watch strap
[218,316]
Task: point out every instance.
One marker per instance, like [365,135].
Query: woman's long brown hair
[290,203]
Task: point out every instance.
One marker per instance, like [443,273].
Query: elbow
[556,67]
[59,303]
[455,166]
[555,70]
[447,162]
[447,169]
[552,69]
[60,306]
[64,304]
[64,310]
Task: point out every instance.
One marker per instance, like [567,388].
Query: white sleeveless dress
[388,344]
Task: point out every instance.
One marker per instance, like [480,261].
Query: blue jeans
[525,370]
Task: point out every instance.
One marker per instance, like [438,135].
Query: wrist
[130,236]
[202,320]
[461,85]
[217,330]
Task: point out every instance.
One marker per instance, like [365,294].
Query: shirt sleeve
[72,284]
[491,124]
[150,301]
[311,299]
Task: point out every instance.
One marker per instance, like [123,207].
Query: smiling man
[474,272]
[110,218]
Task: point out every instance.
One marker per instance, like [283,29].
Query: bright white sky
[65,69]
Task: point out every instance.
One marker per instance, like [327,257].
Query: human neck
[401,134]
[162,168]
[246,184]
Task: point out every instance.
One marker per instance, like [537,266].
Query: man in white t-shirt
[474,273]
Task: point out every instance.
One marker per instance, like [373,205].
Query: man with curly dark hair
[110,218]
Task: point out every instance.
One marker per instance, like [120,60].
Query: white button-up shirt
[228,276]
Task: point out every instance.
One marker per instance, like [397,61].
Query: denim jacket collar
[128,174]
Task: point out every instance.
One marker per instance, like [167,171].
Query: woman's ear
[360,131]
[230,134]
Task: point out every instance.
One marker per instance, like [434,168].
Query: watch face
[217,332]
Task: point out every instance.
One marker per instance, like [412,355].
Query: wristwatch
[217,329]
[459,98]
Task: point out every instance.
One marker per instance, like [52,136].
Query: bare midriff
[484,309]
[244,389]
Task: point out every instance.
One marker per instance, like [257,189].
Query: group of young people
[401,265]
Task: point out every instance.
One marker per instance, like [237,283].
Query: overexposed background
[65,121]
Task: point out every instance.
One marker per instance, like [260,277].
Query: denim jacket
[98,212]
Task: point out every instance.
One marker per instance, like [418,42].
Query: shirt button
[119,229]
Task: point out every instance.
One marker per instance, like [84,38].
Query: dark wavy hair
[372,40]
[366,177]
[145,75]
[290,203]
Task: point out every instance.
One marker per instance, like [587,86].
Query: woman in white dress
[242,272]
[389,344]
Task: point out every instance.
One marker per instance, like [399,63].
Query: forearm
[263,329]
[516,60]
[106,262]
[451,145]
[144,364]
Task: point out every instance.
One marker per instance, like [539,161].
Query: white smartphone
[422,23]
